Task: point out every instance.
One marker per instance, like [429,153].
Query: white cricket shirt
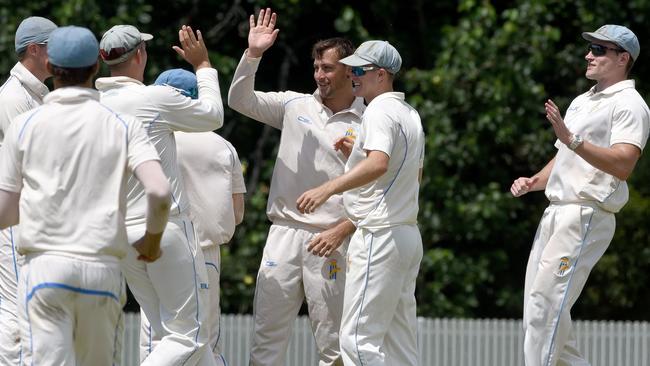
[615,115]
[21,92]
[211,174]
[70,159]
[163,110]
[390,125]
[306,157]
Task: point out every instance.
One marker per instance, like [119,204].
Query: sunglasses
[361,70]
[599,50]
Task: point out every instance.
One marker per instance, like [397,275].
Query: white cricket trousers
[10,263]
[569,241]
[71,310]
[173,293]
[379,325]
[148,338]
[288,274]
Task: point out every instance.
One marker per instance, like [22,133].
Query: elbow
[161,194]
[239,217]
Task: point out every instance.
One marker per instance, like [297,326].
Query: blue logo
[270,264]
[304,119]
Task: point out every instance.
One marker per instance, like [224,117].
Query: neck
[128,71]
[380,90]
[605,83]
[87,84]
[40,73]
[339,103]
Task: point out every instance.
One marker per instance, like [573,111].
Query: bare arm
[325,243]
[618,160]
[372,167]
[238,207]
[537,182]
[8,208]
[158,193]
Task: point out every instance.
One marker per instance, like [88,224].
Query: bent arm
[8,208]
[238,207]
[158,193]
[618,160]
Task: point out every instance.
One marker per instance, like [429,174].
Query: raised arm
[537,182]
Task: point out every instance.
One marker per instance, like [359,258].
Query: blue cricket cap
[378,53]
[617,34]
[35,30]
[180,79]
[72,47]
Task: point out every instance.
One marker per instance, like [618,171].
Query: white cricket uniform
[70,160]
[288,272]
[579,223]
[21,92]
[379,319]
[211,174]
[172,291]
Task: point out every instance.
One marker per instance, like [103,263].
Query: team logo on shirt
[304,119]
[563,266]
[351,133]
[332,269]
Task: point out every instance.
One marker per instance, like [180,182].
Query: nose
[589,56]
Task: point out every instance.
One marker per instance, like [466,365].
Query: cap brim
[354,60]
[146,36]
[593,36]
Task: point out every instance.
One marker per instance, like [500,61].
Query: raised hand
[344,145]
[262,34]
[554,116]
[193,48]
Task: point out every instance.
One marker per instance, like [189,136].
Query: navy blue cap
[35,30]
[72,47]
[180,79]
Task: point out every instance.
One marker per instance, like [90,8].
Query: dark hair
[343,47]
[68,76]
[629,65]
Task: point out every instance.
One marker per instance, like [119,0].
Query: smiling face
[608,67]
[331,76]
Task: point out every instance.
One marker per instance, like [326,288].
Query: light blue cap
[180,79]
[33,30]
[618,34]
[378,53]
[72,47]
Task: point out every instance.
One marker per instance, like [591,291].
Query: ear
[623,59]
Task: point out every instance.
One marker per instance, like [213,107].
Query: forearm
[542,176]
[8,208]
[238,207]
[345,227]
[368,170]
[210,94]
[158,195]
[618,160]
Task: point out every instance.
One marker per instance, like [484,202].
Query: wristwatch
[575,141]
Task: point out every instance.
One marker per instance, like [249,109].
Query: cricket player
[599,141]
[381,184]
[304,254]
[214,184]
[66,165]
[173,292]
[22,91]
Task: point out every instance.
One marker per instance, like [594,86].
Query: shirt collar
[28,80]
[387,95]
[612,89]
[357,107]
[103,84]
[71,94]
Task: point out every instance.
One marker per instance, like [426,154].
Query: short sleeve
[140,149]
[379,130]
[630,125]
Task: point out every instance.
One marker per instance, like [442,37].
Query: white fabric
[21,92]
[305,157]
[615,115]
[379,312]
[392,126]
[173,293]
[288,275]
[570,240]
[70,159]
[162,111]
[211,174]
[71,311]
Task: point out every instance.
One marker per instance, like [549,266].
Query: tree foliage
[477,71]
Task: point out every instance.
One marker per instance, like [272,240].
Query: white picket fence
[441,342]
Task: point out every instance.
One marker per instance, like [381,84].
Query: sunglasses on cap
[361,70]
[600,50]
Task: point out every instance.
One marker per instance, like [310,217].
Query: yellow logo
[564,266]
[333,269]
[350,133]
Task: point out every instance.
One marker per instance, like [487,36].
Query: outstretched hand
[262,34]
[312,199]
[344,145]
[554,116]
[193,48]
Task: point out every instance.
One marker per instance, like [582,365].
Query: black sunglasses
[361,70]
[600,50]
